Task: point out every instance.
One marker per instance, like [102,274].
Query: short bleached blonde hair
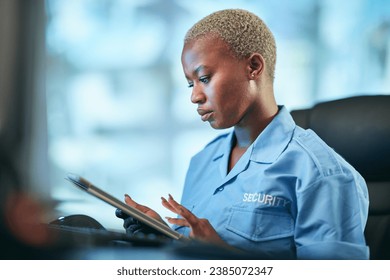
[244,32]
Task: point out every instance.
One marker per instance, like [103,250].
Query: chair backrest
[358,128]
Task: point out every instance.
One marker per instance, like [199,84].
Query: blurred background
[95,87]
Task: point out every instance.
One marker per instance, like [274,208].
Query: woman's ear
[256,65]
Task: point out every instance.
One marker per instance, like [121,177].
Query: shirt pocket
[260,224]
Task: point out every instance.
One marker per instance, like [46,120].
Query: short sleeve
[331,219]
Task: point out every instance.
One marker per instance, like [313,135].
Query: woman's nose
[197,95]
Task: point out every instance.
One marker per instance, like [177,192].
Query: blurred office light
[118,106]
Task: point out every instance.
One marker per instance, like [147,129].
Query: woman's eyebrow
[198,69]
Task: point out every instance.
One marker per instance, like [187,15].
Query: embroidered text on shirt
[265,199]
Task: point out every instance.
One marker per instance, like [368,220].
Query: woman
[267,185]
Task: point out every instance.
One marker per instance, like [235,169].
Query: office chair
[358,128]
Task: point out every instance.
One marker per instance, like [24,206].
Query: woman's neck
[246,134]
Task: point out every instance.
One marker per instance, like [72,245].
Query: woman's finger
[182,211]
[167,205]
[178,222]
[132,203]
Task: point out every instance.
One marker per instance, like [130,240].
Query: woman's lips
[204,114]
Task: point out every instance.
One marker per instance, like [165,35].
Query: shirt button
[218,190]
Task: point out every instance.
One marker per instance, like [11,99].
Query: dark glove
[135,227]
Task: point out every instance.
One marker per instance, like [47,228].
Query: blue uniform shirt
[289,194]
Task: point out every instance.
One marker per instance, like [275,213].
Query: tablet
[129,210]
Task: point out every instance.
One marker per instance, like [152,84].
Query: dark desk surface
[76,243]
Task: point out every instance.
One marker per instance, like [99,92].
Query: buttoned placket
[240,166]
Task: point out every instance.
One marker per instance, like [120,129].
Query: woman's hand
[146,210]
[132,225]
[200,228]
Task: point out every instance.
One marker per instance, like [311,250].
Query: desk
[73,243]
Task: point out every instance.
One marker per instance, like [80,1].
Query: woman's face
[220,82]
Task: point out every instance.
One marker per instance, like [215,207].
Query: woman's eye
[204,79]
[190,85]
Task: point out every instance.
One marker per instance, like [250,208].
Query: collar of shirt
[267,147]
[274,139]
